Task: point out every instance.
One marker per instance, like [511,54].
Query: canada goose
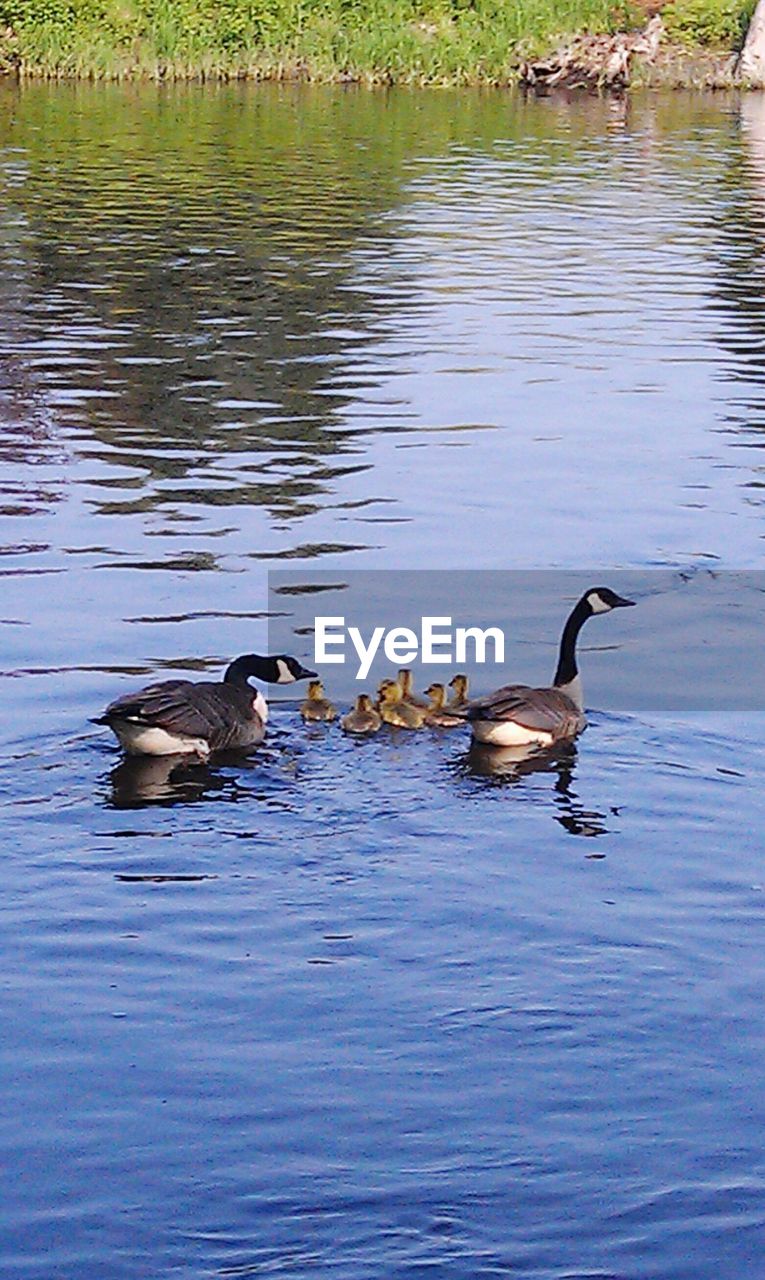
[394,710]
[516,715]
[437,714]
[406,680]
[459,697]
[363,718]
[181,717]
[316,706]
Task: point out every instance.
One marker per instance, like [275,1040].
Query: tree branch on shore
[595,62]
[751,64]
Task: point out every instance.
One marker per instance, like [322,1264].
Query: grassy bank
[374,41]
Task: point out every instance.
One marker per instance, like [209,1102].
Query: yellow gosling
[406,680]
[394,710]
[459,698]
[363,718]
[316,706]
[437,714]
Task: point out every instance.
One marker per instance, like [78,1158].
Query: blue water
[369,1009]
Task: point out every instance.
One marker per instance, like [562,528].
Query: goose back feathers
[200,717]
[516,715]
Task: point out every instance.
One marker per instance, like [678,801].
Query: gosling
[316,706]
[406,680]
[363,718]
[394,710]
[459,698]
[437,714]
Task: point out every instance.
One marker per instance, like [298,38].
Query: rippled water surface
[369,1009]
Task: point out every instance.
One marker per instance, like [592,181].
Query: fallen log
[597,62]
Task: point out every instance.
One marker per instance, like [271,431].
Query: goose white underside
[508,733]
[150,740]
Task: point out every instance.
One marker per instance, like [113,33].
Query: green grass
[377,41]
[712,23]
[403,41]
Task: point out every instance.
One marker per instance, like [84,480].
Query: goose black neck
[567,669]
[249,664]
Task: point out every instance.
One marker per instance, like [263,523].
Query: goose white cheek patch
[285,675]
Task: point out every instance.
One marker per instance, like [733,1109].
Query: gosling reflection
[507,765]
[144,780]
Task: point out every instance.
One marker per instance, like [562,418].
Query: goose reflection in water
[143,780]
[506,765]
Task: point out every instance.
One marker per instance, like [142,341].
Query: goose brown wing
[228,712]
[150,704]
[215,712]
[547,710]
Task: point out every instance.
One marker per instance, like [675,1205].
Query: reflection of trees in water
[741,270]
[192,254]
[30,456]
[743,237]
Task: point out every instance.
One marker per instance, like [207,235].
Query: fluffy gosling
[316,706]
[363,718]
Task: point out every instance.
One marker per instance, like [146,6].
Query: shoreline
[592,52]
[676,67]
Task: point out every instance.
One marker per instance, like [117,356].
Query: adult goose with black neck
[517,715]
[186,717]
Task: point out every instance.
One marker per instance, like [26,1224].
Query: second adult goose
[517,715]
[186,717]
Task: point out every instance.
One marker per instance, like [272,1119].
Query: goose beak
[305,674]
[621,603]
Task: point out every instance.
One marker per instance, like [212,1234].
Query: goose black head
[277,669]
[596,600]
[603,600]
[289,670]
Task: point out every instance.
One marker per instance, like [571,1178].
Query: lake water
[369,1009]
